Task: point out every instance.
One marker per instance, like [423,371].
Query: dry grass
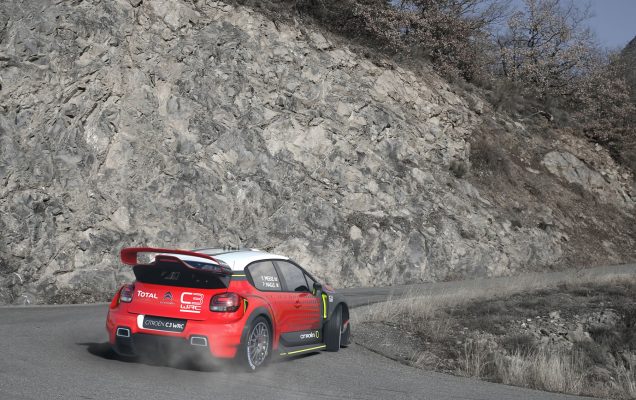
[441,316]
[556,370]
[475,359]
[419,306]
[627,379]
[545,368]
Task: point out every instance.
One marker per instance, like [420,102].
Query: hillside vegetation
[196,123]
[628,56]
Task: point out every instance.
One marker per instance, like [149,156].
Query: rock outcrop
[187,124]
[570,168]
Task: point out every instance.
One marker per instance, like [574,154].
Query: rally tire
[345,339]
[256,349]
[333,328]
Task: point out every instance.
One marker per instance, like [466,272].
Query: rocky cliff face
[188,124]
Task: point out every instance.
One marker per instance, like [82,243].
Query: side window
[264,276]
[294,277]
[310,283]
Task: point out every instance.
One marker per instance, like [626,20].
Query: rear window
[264,277]
[175,274]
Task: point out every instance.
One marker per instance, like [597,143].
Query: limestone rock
[570,168]
[190,124]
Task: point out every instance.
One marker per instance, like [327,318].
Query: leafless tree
[547,46]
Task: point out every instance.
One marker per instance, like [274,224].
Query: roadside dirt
[576,338]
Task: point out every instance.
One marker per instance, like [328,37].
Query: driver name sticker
[270,282]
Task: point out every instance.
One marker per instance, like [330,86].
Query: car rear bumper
[140,344]
[199,338]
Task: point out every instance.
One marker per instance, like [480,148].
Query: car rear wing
[129,257]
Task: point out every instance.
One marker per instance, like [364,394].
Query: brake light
[126,294]
[226,302]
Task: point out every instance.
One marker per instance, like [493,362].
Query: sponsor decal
[161,324]
[330,298]
[191,302]
[149,323]
[146,295]
[167,298]
[310,335]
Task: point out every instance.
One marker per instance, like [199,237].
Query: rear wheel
[257,347]
[333,330]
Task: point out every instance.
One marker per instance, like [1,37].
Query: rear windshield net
[175,274]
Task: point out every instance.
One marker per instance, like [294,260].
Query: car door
[305,312]
[264,277]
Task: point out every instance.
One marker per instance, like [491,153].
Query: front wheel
[333,331]
[257,347]
[345,334]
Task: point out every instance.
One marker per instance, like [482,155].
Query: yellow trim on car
[302,350]
[324,306]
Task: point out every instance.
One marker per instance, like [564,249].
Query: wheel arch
[259,312]
[332,301]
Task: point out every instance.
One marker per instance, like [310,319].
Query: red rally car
[244,304]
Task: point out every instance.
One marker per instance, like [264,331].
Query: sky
[614,21]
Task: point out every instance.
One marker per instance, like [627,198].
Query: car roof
[239,259]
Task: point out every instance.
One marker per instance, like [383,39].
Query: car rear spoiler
[129,257]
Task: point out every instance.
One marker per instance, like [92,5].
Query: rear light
[126,293]
[226,302]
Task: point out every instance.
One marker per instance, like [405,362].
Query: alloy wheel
[258,345]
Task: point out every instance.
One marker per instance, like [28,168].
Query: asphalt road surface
[60,352]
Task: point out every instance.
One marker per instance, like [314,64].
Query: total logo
[191,302]
[146,295]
